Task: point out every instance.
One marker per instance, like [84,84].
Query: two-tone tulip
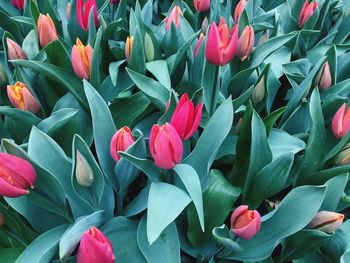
[221,43]
[245,223]
[341,122]
[239,10]
[121,141]
[14,51]
[201,5]
[95,247]
[19,4]
[16,177]
[186,118]
[81,59]
[21,97]
[324,79]
[198,45]
[165,146]
[128,48]
[83,11]
[173,17]
[306,12]
[246,43]
[46,30]
[326,221]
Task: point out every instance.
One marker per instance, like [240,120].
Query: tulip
[221,46]
[95,247]
[83,13]
[343,157]
[198,45]
[19,4]
[83,171]
[259,91]
[246,43]
[81,59]
[306,11]
[186,118]
[128,48]
[46,30]
[341,122]
[149,48]
[121,141]
[165,146]
[201,5]
[114,1]
[21,97]
[325,78]
[326,221]
[16,176]
[239,9]
[204,26]
[14,51]
[173,17]
[245,223]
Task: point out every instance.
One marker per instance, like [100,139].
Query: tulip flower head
[83,12]
[341,122]
[306,12]
[46,30]
[14,51]
[173,17]
[83,171]
[239,10]
[165,146]
[95,248]
[198,45]
[246,43]
[21,97]
[326,221]
[325,77]
[201,5]
[81,59]
[121,141]
[128,48]
[221,44]
[16,176]
[19,4]
[245,223]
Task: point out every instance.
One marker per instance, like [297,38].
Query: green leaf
[211,86]
[222,235]
[95,70]
[56,120]
[159,69]
[9,255]
[334,192]
[137,58]
[272,118]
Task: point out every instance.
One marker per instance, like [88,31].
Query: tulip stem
[93,198]
[215,91]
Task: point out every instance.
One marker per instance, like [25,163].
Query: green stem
[93,197]
[215,91]
[120,200]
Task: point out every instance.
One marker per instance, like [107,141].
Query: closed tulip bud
[21,97]
[326,221]
[83,171]
[341,122]
[204,26]
[14,51]
[121,141]
[95,247]
[165,146]
[173,17]
[259,91]
[128,48]
[198,45]
[221,44]
[245,223]
[114,2]
[343,157]
[201,5]
[3,77]
[149,48]
[306,11]
[81,59]
[46,30]
[16,177]
[246,43]
[239,9]
[83,12]
[324,79]
[19,4]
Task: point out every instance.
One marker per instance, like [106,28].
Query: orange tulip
[81,59]
[21,97]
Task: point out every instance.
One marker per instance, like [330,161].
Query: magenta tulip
[83,12]
[341,122]
[46,30]
[173,17]
[201,5]
[121,141]
[306,12]
[239,10]
[245,223]
[246,43]
[14,51]
[19,4]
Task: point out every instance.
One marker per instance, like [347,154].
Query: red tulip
[239,9]
[83,12]
[21,97]
[165,146]
[16,176]
[221,45]
[46,30]
[81,59]
[14,51]
[245,223]
[173,17]
[198,45]
[201,5]
[246,43]
[19,4]
[327,221]
[325,77]
[186,118]
[306,11]
[341,122]
[95,248]
[121,141]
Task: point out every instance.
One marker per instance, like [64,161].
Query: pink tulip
[245,223]
[19,4]
[201,5]
[326,221]
[186,118]
[173,17]
[246,43]
[306,11]
[165,146]
[121,141]
[46,30]
[198,45]
[325,77]
[83,12]
[221,45]
[21,97]
[239,10]
[95,248]
[341,122]
[81,59]
[14,51]
[16,176]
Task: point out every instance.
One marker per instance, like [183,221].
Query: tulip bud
[81,59]
[246,43]
[341,122]
[3,77]
[324,79]
[95,247]
[114,1]
[239,9]
[306,12]
[46,30]
[21,97]
[121,141]
[165,146]
[198,45]
[245,223]
[17,175]
[204,26]
[259,91]
[149,48]
[326,221]
[83,12]
[221,45]
[173,17]
[83,171]
[14,51]
[19,4]
[128,48]
[343,157]
[201,5]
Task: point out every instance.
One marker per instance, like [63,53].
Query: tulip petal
[163,157]
[9,190]
[337,122]
[212,50]
[231,48]
[30,102]
[175,143]
[77,64]
[196,121]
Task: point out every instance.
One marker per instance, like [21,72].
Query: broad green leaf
[9,255]
[56,120]
[159,69]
